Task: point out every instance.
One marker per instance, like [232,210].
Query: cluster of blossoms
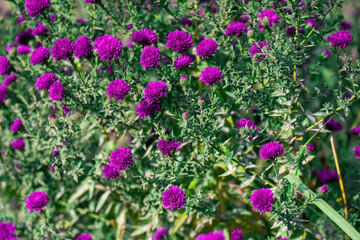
[120,159]
[109,48]
[7,231]
[36,201]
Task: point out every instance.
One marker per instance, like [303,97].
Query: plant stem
[339,174]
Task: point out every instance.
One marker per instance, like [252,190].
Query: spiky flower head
[82,47]
[110,172]
[63,49]
[262,200]
[16,126]
[36,7]
[324,188]
[340,39]
[146,109]
[144,36]
[45,81]
[206,48]
[211,75]
[267,17]
[40,56]
[150,57]
[174,198]
[36,201]
[118,89]
[237,234]
[120,159]
[108,47]
[39,30]
[179,41]
[18,144]
[211,236]
[168,148]
[184,61]
[5,65]
[271,151]
[7,231]
[57,91]
[236,29]
[9,80]
[160,233]
[357,152]
[155,91]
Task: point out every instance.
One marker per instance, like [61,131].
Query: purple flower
[326,176]
[36,7]
[45,81]
[146,109]
[357,152]
[271,151]
[235,29]
[129,27]
[36,201]
[120,159]
[327,53]
[63,49]
[333,125]
[144,36]
[186,22]
[3,91]
[355,131]
[168,148]
[160,233]
[184,61]
[40,56]
[110,172]
[56,91]
[290,31]
[5,65]
[183,78]
[310,147]
[66,109]
[9,48]
[118,89]
[340,39]
[174,198]
[9,80]
[154,91]
[81,21]
[109,70]
[24,37]
[345,25]
[257,50]
[108,47]
[237,234]
[18,144]
[16,126]
[52,17]
[262,200]
[185,115]
[242,123]
[84,236]
[7,231]
[55,153]
[271,19]
[39,30]
[211,75]
[150,57]
[324,189]
[211,236]
[91,1]
[302,31]
[206,48]
[23,49]
[82,47]
[282,239]
[179,41]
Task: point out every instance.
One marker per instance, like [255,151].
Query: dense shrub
[213,119]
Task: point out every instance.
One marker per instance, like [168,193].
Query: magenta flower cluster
[84,236]
[341,39]
[271,150]
[262,200]
[36,201]
[211,236]
[206,48]
[179,41]
[237,234]
[160,233]
[120,159]
[118,89]
[144,36]
[173,198]
[7,231]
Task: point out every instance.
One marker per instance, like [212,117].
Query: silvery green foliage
[288,91]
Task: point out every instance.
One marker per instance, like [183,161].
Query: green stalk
[324,207]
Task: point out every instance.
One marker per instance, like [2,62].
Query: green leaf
[323,206]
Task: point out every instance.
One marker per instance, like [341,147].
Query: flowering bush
[213,119]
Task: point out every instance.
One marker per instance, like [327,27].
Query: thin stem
[339,174]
